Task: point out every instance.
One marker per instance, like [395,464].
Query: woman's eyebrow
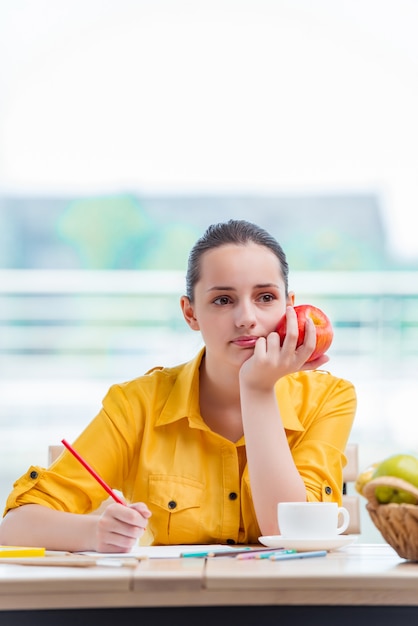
[221,288]
[258,286]
[266,285]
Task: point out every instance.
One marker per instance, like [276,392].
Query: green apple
[403,466]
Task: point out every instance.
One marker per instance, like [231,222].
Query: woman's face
[240,296]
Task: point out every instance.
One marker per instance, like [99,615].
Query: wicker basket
[397,523]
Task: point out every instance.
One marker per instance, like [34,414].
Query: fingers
[309,341]
[292,330]
[290,354]
[141,508]
[120,527]
[271,361]
[298,342]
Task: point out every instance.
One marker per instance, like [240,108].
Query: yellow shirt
[150,442]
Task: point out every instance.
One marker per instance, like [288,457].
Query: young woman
[204,451]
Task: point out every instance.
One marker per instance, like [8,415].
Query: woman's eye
[222,300]
[267,297]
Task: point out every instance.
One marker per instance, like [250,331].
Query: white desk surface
[359,574]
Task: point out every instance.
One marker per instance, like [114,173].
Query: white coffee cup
[312,520]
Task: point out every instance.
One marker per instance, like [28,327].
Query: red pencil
[93,473]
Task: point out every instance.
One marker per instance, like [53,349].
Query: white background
[298,95]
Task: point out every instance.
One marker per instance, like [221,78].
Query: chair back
[351,501]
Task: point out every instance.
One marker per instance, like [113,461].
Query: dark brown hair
[239,232]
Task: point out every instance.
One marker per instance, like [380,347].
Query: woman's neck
[220,404]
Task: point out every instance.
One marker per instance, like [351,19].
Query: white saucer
[277,541]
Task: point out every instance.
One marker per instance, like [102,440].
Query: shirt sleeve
[106,444]
[318,452]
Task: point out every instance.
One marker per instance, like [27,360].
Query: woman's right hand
[119,527]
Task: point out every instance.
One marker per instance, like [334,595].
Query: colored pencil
[95,475]
[298,555]
[263,555]
[226,552]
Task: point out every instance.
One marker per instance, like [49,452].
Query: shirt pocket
[176,505]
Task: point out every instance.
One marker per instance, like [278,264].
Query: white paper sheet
[160,552]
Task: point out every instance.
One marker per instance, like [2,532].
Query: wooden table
[355,585]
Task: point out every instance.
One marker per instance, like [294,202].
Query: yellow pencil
[22,551]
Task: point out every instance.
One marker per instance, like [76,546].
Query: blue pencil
[298,555]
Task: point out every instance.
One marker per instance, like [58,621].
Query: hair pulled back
[238,232]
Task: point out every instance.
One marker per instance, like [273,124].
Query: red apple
[324,332]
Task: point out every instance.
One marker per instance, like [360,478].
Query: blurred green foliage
[102,229]
[117,232]
[132,231]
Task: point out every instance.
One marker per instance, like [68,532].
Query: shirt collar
[183,400]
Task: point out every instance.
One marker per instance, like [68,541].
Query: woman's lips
[245,342]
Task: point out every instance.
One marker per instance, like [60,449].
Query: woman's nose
[245,316]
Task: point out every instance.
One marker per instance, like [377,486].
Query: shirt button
[172,504]
[328,491]
[33,474]
[233,495]
[230,542]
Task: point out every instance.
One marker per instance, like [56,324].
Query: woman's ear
[290,298]
[188,313]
